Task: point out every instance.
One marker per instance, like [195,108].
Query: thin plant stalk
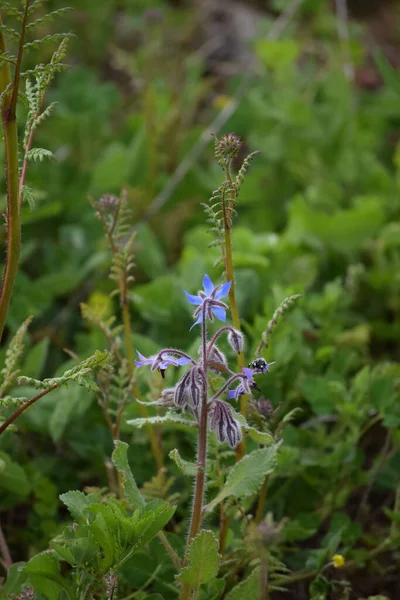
[197,510]
[230,276]
[24,406]
[9,120]
[261,500]
[202,450]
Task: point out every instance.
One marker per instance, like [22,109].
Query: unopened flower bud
[263,407]
[226,427]
[235,339]
[195,388]
[217,361]
[229,145]
[181,391]
[108,202]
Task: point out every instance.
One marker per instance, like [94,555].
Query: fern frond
[12,11]
[48,17]
[81,373]
[284,306]
[39,154]
[27,196]
[239,179]
[40,69]
[10,401]
[10,32]
[35,5]
[46,113]
[9,372]
[47,39]
[7,57]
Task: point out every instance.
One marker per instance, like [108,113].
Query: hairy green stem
[197,511]
[261,500]
[230,276]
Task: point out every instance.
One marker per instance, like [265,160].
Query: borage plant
[208,410]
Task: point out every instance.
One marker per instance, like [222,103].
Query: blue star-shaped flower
[166,360]
[212,294]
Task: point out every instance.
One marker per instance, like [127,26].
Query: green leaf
[344,230]
[147,522]
[64,552]
[13,477]
[247,476]
[277,54]
[35,359]
[112,170]
[169,418]
[389,74]
[70,404]
[185,466]
[203,560]
[15,578]
[104,532]
[249,588]
[120,460]
[149,254]
[43,572]
[77,503]
[291,415]
[152,518]
[261,437]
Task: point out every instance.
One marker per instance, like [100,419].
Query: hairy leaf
[185,466]
[203,560]
[249,588]
[120,460]
[247,476]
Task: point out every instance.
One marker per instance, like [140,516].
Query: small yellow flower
[338,561]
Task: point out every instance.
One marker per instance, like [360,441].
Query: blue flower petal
[219,312]
[183,360]
[193,299]
[207,285]
[139,363]
[224,291]
[143,358]
[231,394]
[248,372]
[199,320]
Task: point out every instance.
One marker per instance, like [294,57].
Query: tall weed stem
[197,509]
[227,208]
[9,90]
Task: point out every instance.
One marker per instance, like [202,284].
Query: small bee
[260,365]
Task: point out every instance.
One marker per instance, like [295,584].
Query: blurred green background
[318,215]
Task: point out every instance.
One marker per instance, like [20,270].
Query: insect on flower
[260,365]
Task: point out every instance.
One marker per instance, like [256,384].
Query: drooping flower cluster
[191,393]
